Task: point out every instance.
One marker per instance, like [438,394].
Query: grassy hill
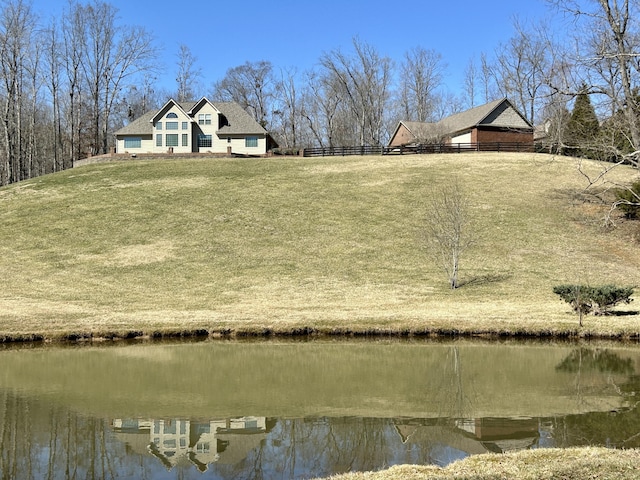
[282,245]
[539,463]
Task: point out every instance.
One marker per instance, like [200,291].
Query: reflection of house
[176,442]
[502,434]
[203,126]
[421,434]
[490,124]
[461,438]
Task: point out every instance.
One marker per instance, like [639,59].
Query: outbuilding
[492,124]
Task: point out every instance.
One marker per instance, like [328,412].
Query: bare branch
[449,228]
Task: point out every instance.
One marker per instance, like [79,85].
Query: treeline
[62,84]
[66,86]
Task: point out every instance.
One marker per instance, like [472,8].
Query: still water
[279,409]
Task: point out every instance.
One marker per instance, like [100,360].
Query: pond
[293,409]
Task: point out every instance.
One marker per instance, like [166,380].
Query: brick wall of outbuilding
[402,137]
[502,136]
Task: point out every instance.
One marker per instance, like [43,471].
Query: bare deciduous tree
[288,115]
[53,81]
[320,109]
[487,76]
[142,97]
[421,75]
[251,85]
[470,82]
[108,56]
[607,39]
[362,82]
[449,228]
[188,74]
[522,69]
[17,36]
[73,35]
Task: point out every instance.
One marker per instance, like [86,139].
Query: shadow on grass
[483,280]
[622,313]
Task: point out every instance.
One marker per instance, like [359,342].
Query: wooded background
[66,86]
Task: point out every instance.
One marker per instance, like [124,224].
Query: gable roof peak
[165,107]
[480,114]
[200,102]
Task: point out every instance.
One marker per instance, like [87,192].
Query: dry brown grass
[541,464]
[331,245]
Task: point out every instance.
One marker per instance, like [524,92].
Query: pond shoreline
[312,332]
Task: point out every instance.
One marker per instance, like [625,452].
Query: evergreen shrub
[629,200]
[599,300]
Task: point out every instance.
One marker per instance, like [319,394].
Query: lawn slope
[565,464]
[330,245]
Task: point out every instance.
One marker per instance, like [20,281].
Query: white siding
[146,145]
[238,145]
[209,112]
[164,132]
[203,120]
[464,138]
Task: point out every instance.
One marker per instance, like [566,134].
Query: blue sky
[224,34]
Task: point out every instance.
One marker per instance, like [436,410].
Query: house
[200,127]
[490,124]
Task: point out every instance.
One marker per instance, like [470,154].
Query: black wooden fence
[414,149]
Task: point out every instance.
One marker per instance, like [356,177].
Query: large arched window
[171,125]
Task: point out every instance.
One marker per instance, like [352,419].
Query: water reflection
[40,442]
[346,443]
[302,411]
[595,359]
[200,443]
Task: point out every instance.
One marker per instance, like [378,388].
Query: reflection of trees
[616,428]
[37,441]
[596,360]
[320,445]
[583,361]
[453,396]
[620,429]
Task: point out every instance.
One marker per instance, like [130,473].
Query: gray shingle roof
[499,113]
[140,126]
[239,122]
[422,131]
